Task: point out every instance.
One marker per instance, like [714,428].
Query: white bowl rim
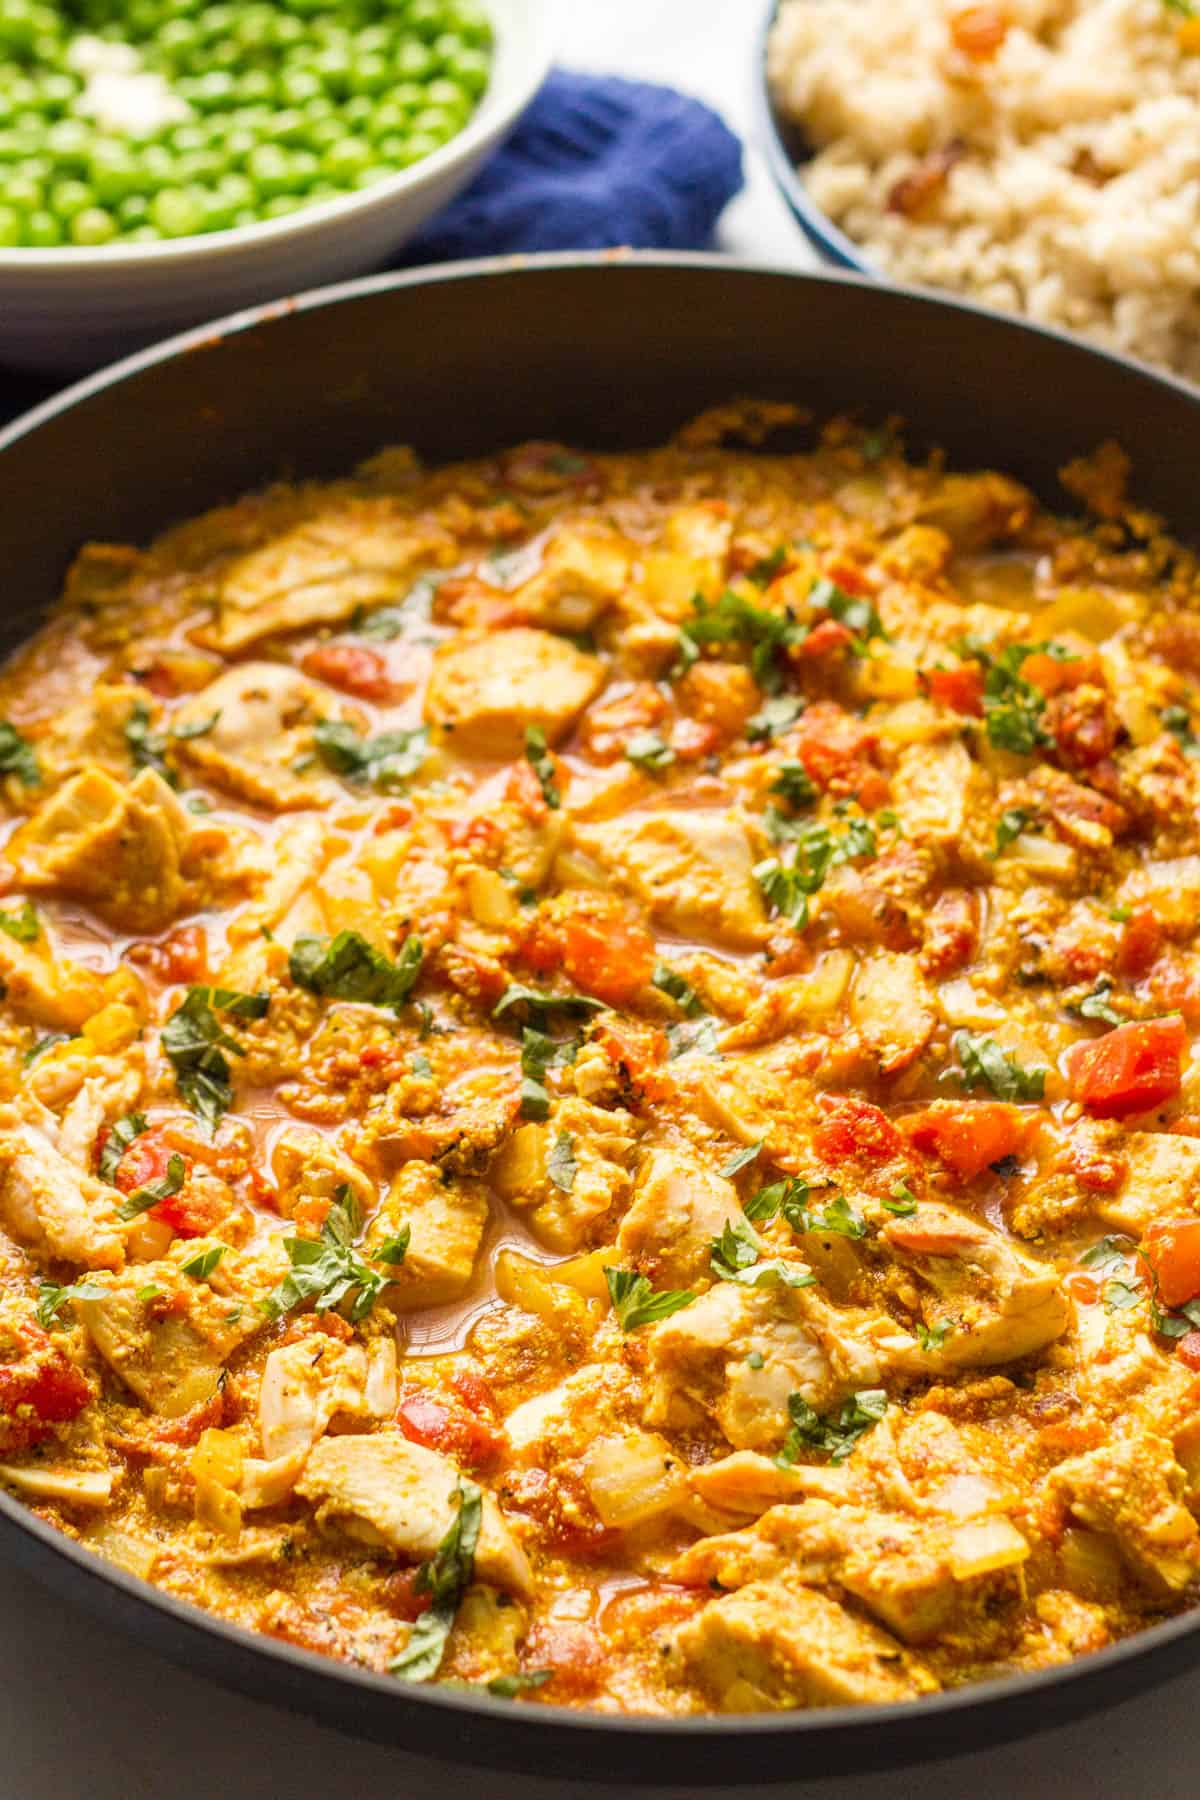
[484,125]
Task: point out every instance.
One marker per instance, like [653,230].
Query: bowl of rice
[1038,156]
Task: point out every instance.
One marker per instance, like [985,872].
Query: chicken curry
[595,1084]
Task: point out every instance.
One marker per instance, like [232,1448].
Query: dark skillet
[608,352]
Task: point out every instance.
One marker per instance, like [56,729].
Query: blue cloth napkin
[594,162]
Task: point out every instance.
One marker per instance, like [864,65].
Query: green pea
[227,57]
[216,21]
[42,230]
[156,166]
[69,141]
[57,91]
[470,21]
[357,113]
[288,127]
[215,89]
[368,178]
[187,138]
[18,28]
[288,31]
[237,189]
[323,133]
[298,86]
[387,120]
[70,197]
[112,171]
[218,211]
[144,234]
[408,94]
[238,144]
[176,212]
[436,122]
[416,148]
[283,204]
[472,69]
[333,65]
[132,211]
[270,169]
[414,61]
[26,195]
[179,40]
[246,215]
[370,74]
[12,227]
[426,17]
[343,160]
[450,97]
[93,227]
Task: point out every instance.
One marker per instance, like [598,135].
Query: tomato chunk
[1132,1069]
[854,1128]
[38,1390]
[439,1424]
[351,667]
[961,688]
[970,1137]
[1172,1248]
[1188,1350]
[838,753]
[597,944]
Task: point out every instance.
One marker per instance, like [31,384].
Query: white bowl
[72,309]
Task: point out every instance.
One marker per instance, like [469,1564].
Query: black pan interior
[611,353]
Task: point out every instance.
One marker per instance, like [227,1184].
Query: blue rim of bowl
[786,151]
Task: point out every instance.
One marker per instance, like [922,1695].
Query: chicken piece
[748,1482]
[996,1303]
[775,1645]
[447,1221]
[1162,1180]
[562,1421]
[697,1359]
[942,798]
[171,1345]
[47,1203]
[91,734]
[1132,1488]
[290,868]
[678,1208]
[582,573]
[101,1099]
[263,714]
[66,1486]
[486,692]
[692,871]
[118,848]
[384,1490]
[305,1383]
[923,1579]
[892,1006]
[48,990]
[567,1188]
[359,553]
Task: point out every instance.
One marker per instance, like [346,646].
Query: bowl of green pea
[162,161]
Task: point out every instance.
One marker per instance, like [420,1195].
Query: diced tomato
[1174,984]
[1083,724]
[145,1161]
[1054,675]
[400,1595]
[524,789]
[848,576]
[181,956]
[635,1049]
[829,638]
[961,688]
[1188,1350]
[352,667]
[191,1212]
[1140,943]
[575,1653]
[598,945]
[479,835]
[472,1388]
[41,1389]
[1172,1248]
[1083,1288]
[392,818]
[971,1136]
[838,753]
[693,738]
[1135,1067]
[609,724]
[448,1427]
[853,1128]
[978,31]
[951,932]
[1100,1170]
[561,1508]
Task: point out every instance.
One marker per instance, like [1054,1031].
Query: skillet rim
[702,1750]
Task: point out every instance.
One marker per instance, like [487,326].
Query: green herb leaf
[561,1167]
[394,1249]
[1012,706]
[347,967]
[143,1198]
[902,1201]
[636,1303]
[22,925]
[194,1040]
[421,1066]
[328,1270]
[741,1159]
[735,620]
[540,1003]
[1096,1004]
[857,615]
[985,1065]
[44,1043]
[537,1054]
[677,989]
[17,756]
[52,1299]
[1009,826]
[1119,1296]
[737,1256]
[537,755]
[1178,719]
[932,1337]
[791,1193]
[794,784]
[773,717]
[507,1687]
[1109,1253]
[838,1218]
[699,1035]
[201,1265]
[832,1434]
[764,571]
[386,762]
[446,1577]
[122,1134]
[388,622]
[647,750]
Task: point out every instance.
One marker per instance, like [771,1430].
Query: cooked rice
[1073,193]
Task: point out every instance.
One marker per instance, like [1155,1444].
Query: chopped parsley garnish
[1012,706]
[1108,1253]
[1096,1005]
[561,1166]
[838,1218]
[737,1256]
[932,1337]
[1009,826]
[122,1134]
[43,1043]
[148,748]
[788,1196]
[832,1434]
[22,925]
[201,1265]
[901,1201]
[787,886]
[676,988]
[857,615]
[52,1299]
[385,762]
[445,1578]
[394,1249]
[699,1035]
[17,756]
[764,571]
[773,717]
[143,1198]
[328,1269]
[983,1064]
[647,750]
[194,1040]
[537,1054]
[540,1003]
[794,784]
[636,1303]
[1119,1296]
[347,967]
[522,1681]
[421,1066]
[735,620]
[741,1159]
[1178,722]
[388,622]
[537,755]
